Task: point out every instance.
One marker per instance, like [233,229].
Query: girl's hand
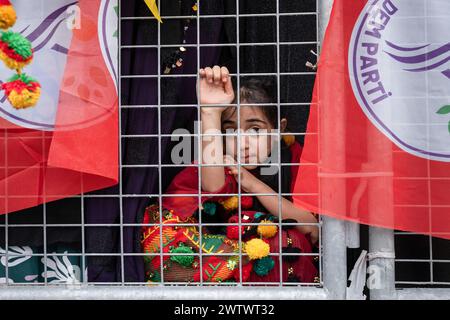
[312,231]
[215,88]
[249,183]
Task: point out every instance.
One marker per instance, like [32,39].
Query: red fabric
[345,173]
[46,166]
[186,182]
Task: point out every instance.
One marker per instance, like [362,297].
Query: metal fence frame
[337,235]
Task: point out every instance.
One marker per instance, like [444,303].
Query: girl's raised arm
[215,89]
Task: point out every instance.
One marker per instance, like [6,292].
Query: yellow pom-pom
[12,63]
[8,16]
[289,139]
[25,99]
[256,249]
[267,231]
[231,203]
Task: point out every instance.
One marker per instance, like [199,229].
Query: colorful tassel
[246,202]
[267,231]
[289,140]
[209,208]
[22,91]
[8,15]
[246,271]
[185,261]
[15,50]
[233,231]
[257,249]
[263,266]
[232,203]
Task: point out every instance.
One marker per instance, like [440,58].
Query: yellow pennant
[153,8]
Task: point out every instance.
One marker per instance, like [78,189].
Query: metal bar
[161,293]
[262,74]
[352,238]
[334,257]
[187,45]
[200,147]
[422,294]
[241,15]
[382,240]
[119,87]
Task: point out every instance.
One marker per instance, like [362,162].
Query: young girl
[259,234]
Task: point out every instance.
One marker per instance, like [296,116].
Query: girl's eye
[225,129]
[254,129]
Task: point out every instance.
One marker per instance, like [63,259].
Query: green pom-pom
[17,42]
[209,208]
[185,261]
[22,77]
[258,214]
[263,266]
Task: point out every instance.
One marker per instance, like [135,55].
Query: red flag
[377,149]
[68,142]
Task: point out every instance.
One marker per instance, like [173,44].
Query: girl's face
[254,148]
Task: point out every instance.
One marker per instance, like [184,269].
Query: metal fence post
[334,248]
[381,269]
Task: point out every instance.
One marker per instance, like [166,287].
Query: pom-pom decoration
[15,50]
[209,208]
[246,202]
[232,203]
[233,231]
[256,249]
[263,266]
[267,231]
[184,260]
[289,140]
[8,15]
[22,91]
[246,271]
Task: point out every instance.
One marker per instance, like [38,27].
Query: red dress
[183,209]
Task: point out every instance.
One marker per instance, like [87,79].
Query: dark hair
[259,91]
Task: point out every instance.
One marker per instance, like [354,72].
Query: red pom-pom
[233,232]
[246,202]
[246,271]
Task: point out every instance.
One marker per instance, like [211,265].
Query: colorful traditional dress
[180,235]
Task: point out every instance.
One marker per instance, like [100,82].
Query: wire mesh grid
[429,262]
[160,135]
[57,268]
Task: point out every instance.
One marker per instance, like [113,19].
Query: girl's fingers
[228,85]
[225,74]
[202,72]
[216,74]
[227,159]
[209,74]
